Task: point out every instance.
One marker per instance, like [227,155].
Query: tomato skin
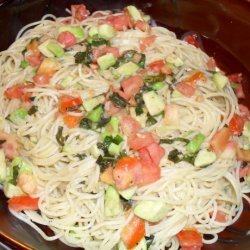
[220,140]
[140,140]
[67,39]
[71,121]
[129,125]
[66,102]
[133,232]
[79,11]
[127,172]
[236,125]
[20,203]
[156,66]
[185,89]
[146,42]
[17,91]
[190,238]
[192,39]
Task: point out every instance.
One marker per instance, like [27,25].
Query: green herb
[154,78]
[117,100]
[98,41]
[85,123]
[131,56]
[139,104]
[105,161]
[81,156]
[84,57]
[103,122]
[105,144]
[15,170]
[24,64]
[170,141]
[127,204]
[33,110]
[117,139]
[149,240]
[150,121]
[59,137]
[176,156]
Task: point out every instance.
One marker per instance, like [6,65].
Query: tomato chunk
[156,66]
[243,155]
[211,64]
[186,89]
[79,12]
[133,232]
[132,85]
[220,216]
[67,39]
[34,60]
[129,125]
[192,39]
[107,49]
[71,121]
[190,238]
[146,42]
[119,22]
[236,125]
[236,78]
[69,103]
[17,91]
[140,140]
[143,26]
[193,78]
[150,173]
[127,172]
[20,203]
[42,79]
[220,140]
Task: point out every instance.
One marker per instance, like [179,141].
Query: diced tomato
[111,109]
[129,125]
[132,85]
[107,176]
[140,140]
[236,125]
[146,42]
[143,26]
[244,111]
[79,12]
[48,67]
[150,174]
[20,203]
[152,153]
[127,172]
[235,78]
[220,140]
[192,39]
[133,232]
[67,39]
[243,155]
[220,216]
[17,91]
[71,121]
[171,116]
[33,46]
[185,89]
[34,60]
[190,238]
[43,79]
[107,49]
[156,66]
[239,91]
[244,171]
[211,64]
[119,22]
[194,78]
[67,102]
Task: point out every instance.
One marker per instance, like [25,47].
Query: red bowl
[224,27]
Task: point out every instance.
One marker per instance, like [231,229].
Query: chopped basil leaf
[170,141]
[85,123]
[149,240]
[151,121]
[81,156]
[15,170]
[118,101]
[103,122]
[98,41]
[84,57]
[105,161]
[59,137]
[131,56]
[154,78]
[33,110]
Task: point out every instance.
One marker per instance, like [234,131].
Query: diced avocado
[174,60]
[106,61]
[106,31]
[194,145]
[135,13]
[157,86]
[22,165]
[246,129]
[114,123]
[18,115]
[219,80]
[66,149]
[105,134]
[55,48]
[112,205]
[176,94]
[204,158]
[128,69]
[3,168]
[78,32]
[93,102]
[154,103]
[67,82]
[151,211]
[128,193]
[11,190]
[94,151]
[146,18]
[44,50]
[114,149]
[24,64]
[142,245]
[96,114]
[93,31]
